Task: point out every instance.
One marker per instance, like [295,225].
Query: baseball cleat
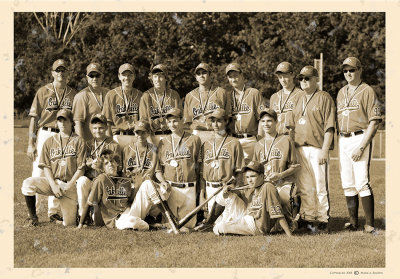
[323,228]
[31,222]
[204,228]
[350,227]
[370,229]
[55,217]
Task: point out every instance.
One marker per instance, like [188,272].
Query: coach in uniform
[246,103]
[285,99]
[156,101]
[313,121]
[203,100]
[63,162]
[89,101]
[358,114]
[48,100]
[121,107]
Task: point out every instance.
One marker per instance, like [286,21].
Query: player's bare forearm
[79,128]
[160,177]
[290,171]
[370,133]
[328,137]
[57,191]
[32,131]
[109,131]
[75,177]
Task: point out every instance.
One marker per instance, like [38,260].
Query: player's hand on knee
[31,152]
[57,191]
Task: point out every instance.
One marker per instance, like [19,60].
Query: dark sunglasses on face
[350,70]
[304,78]
[95,75]
[60,70]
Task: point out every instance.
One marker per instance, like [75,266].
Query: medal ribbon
[280,99]
[160,105]
[57,97]
[216,152]
[237,104]
[305,107]
[352,96]
[127,104]
[99,103]
[63,149]
[174,150]
[203,108]
[270,148]
[97,147]
[141,166]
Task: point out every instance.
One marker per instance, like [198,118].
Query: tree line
[258,41]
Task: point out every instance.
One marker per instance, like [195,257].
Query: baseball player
[246,103]
[63,162]
[111,194]
[157,101]
[223,160]
[358,117]
[253,211]
[179,157]
[121,107]
[285,99]
[276,152]
[313,121]
[94,148]
[48,100]
[89,101]
[202,101]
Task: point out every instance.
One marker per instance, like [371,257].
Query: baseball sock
[352,206]
[216,211]
[31,204]
[368,206]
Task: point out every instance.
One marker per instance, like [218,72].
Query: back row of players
[226,125]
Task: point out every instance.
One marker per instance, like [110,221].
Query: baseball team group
[223,160]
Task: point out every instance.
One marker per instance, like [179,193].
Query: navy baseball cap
[94,67]
[142,126]
[308,71]
[269,112]
[218,113]
[159,68]
[233,67]
[284,68]
[203,66]
[65,113]
[99,117]
[254,166]
[174,112]
[126,67]
[59,63]
[352,62]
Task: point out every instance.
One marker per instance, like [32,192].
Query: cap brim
[248,168]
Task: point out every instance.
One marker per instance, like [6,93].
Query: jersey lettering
[120,110]
[182,153]
[132,164]
[224,154]
[244,109]
[116,193]
[156,111]
[57,152]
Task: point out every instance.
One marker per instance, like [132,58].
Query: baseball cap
[352,62]
[284,67]
[174,112]
[203,66]
[233,67]
[65,113]
[254,166]
[94,67]
[142,126]
[159,68]
[218,113]
[99,117]
[126,67]
[59,63]
[308,71]
[270,112]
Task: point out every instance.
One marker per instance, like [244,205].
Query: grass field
[51,245]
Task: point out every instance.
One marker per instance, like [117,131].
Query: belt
[215,184]
[182,184]
[242,136]
[126,133]
[350,134]
[55,130]
[166,132]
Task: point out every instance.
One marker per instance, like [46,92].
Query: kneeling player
[253,211]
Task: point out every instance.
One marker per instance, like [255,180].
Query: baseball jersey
[134,156]
[246,111]
[93,151]
[229,160]
[153,107]
[86,103]
[196,108]
[47,103]
[186,154]
[278,159]
[111,195]
[63,160]
[311,119]
[354,112]
[121,110]
[283,103]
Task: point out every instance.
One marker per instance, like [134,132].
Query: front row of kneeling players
[177,163]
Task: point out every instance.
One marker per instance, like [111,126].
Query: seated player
[252,211]
[94,147]
[63,162]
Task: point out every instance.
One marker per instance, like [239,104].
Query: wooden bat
[166,210]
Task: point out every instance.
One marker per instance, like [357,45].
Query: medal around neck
[173,163]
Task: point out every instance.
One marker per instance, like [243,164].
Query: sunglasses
[95,75]
[351,71]
[60,70]
[200,73]
[304,78]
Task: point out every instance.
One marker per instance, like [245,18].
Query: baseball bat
[191,214]
[166,210]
